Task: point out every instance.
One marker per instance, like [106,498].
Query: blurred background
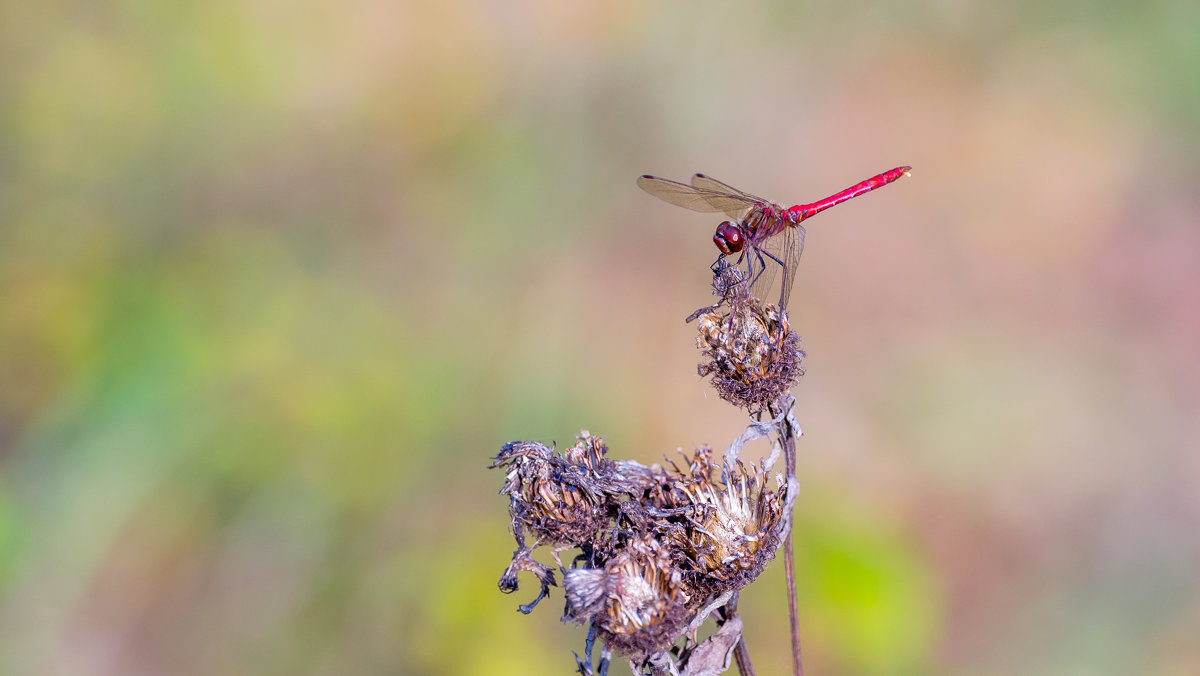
[277,280]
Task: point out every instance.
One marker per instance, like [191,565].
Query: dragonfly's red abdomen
[729,238]
[803,211]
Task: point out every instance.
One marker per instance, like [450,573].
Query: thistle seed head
[561,499]
[750,351]
[637,600]
[738,527]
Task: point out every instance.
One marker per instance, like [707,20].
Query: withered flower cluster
[750,351]
[660,547]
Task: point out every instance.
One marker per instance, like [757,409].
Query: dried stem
[740,653]
[788,432]
[745,668]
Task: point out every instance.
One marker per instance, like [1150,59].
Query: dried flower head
[750,351]
[562,500]
[555,497]
[636,602]
[737,529]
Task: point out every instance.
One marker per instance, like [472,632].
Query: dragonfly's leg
[762,265]
[749,264]
[783,267]
[770,255]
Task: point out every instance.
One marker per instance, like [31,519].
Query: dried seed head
[738,527]
[722,530]
[637,600]
[563,500]
[750,351]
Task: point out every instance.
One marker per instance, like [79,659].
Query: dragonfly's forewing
[706,182]
[696,198]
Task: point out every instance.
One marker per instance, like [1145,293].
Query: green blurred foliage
[276,281]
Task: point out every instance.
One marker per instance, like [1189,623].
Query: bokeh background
[277,279]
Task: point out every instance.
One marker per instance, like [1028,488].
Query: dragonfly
[761,230]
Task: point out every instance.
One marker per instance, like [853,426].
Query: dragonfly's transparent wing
[696,198]
[706,182]
[780,258]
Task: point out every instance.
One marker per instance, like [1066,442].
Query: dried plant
[661,549]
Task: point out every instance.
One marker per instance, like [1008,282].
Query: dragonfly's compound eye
[728,238]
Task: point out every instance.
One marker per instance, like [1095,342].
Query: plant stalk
[740,653]
[789,558]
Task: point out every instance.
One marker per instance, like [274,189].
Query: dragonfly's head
[729,238]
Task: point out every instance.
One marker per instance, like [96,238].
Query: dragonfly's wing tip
[646,180]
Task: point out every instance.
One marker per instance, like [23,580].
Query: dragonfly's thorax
[764,220]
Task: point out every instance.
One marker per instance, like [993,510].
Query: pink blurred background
[278,279]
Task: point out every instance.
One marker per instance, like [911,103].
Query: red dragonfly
[763,230]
